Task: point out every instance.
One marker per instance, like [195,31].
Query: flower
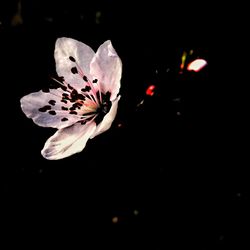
[84,104]
[197,65]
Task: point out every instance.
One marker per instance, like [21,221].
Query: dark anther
[64,101]
[59,78]
[70,87]
[77,105]
[64,88]
[45,108]
[74,70]
[52,112]
[95,81]
[73,95]
[86,89]
[64,108]
[85,78]
[81,97]
[64,119]
[52,102]
[71,58]
[65,96]
[73,112]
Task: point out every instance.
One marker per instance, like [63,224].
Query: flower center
[87,103]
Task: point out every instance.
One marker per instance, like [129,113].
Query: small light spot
[183,60]
[140,103]
[115,219]
[48,19]
[177,99]
[119,125]
[136,212]
[221,237]
[98,15]
[178,113]
[150,90]
[197,65]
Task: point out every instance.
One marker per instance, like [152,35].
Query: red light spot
[150,90]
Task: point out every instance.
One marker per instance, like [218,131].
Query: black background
[178,160]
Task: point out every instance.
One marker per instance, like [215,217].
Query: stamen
[78,70]
[90,119]
[58,81]
[85,78]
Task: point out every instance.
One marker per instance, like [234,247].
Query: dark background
[173,171]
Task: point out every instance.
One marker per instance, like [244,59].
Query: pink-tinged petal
[107,120]
[197,65]
[47,109]
[106,66]
[68,141]
[73,61]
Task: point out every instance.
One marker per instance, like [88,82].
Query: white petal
[107,120]
[31,104]
[106,66]
[82,53]
[68,141]
[197,65]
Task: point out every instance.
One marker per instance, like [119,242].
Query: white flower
[85,103]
